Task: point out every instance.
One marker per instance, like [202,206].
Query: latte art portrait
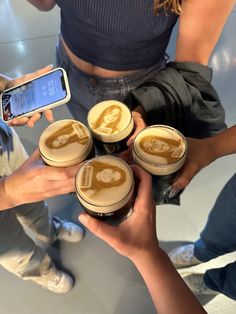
[108,121]
[105,187]
[71,132]
[167,148]
[111,124]
[98,175]
[65,143]
[160,149]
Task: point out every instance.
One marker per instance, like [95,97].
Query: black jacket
[182,96]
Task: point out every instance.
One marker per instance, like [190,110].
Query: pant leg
[35,215]
[10,161]
[18,253]
[223,280]
[219,234]
[38,219]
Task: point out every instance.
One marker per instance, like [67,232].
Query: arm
[224,143]
[202,152]
[200,27]
[168,291]
[136,239]
[4,81]
[43,5]
[34,181]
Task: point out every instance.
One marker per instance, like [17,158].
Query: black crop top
[116,34]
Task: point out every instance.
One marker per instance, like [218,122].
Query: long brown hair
[173,5]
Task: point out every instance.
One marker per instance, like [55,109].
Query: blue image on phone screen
[33,95]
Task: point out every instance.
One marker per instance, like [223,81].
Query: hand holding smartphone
[44,92]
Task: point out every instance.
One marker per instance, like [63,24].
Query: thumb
[26,77]
[42,71]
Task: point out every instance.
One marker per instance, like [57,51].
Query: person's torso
[116,34]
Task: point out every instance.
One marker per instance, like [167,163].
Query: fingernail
[83,218]
[50,65]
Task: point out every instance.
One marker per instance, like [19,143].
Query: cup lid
[110,121]
[65,140]
[104,181]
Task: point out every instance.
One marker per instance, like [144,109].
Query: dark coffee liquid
[111,148]
[115,217]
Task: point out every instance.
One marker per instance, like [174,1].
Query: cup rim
[149,164]
[117,205]
[112,137]
[78,157]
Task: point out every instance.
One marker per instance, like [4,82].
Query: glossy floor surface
[106,282]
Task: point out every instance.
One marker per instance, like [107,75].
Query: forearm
[200,26]
[4,80]
[5,201]
[43,5]
[223,143]
[168,291]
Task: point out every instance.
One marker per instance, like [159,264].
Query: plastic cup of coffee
[111,124]
[105,188]
[65,143]
[160,150]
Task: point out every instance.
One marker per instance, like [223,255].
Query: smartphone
[36,95]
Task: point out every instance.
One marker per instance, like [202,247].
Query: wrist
[8,193]
[6,201]
[145,255]
[214,149]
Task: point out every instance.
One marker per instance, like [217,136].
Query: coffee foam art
[160,149]
[104,184]
[65,143]
[110,121]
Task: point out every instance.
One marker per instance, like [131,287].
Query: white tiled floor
[107,282]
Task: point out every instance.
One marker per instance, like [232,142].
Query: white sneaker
[196,283]
[55,280]
[68,231]
[183,256]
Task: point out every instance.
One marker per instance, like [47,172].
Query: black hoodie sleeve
[182,96]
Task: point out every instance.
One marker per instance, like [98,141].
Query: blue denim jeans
[87,90]
[218,238]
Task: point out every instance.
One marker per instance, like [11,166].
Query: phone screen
[33,95]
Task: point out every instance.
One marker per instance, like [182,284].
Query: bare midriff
[92,69]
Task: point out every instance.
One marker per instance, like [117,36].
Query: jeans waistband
[142,74]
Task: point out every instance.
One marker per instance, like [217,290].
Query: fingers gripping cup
[111,124]
[65,143]
[161,151]
[105,188]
